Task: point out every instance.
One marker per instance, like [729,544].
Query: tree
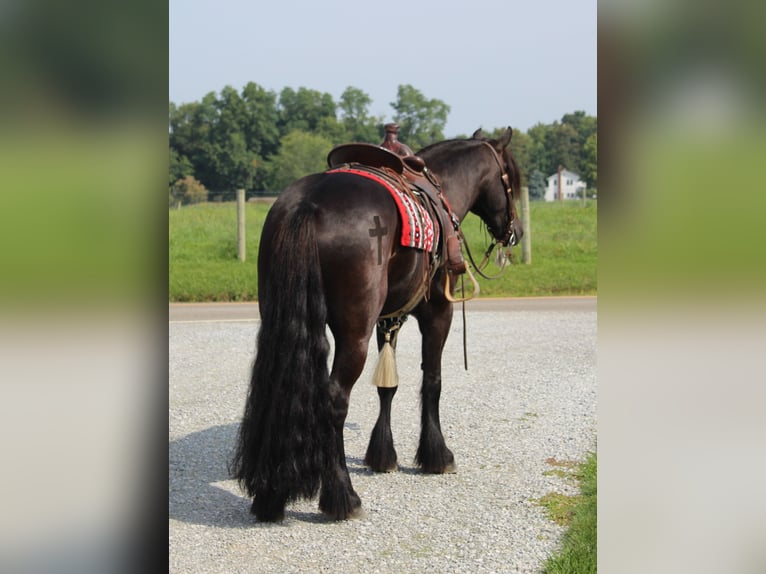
[519,148]
[421,121]
[536,149]
[300,154]
[235,140]
[582,123]
[304,110]
[561,142]
[179,167]
[260,120]
[188,190]
[225,138]
[590,167]
[234,164]
[536,185]
[190,134]
[584,126]
[332,130]
[359,125]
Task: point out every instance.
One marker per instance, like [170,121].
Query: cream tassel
[385,375]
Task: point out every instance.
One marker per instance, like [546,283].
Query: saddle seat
[366,154]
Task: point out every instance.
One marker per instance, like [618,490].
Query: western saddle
[408,172]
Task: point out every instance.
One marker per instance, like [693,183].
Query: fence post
[526,239]
[241,224]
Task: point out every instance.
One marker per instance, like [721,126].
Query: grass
[564,252]
[578,552]
[203,264]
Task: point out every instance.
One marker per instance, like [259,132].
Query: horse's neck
[457,198]
[459,185]
[460,188]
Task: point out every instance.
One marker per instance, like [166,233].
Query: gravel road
[529,395]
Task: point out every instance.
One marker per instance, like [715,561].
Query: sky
[495,63]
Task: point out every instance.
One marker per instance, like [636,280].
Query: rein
[484,261]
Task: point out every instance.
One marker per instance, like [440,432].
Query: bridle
[509,237]
[510,234]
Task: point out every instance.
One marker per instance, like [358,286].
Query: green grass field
[578,552]
[203,264]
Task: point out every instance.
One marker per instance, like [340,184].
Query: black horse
[330,256]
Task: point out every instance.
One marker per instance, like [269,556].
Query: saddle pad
[418,228]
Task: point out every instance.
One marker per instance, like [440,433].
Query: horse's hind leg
[337,498]
[381,454]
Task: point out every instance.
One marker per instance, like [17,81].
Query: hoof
[451,468]
[339,504]
[379,463]
[435,460]
[354,514]
[448,467]
[389,468]
[267,512]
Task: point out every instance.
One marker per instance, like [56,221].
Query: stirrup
[457,267]
[448,291]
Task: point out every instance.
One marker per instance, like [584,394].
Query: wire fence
[214,196]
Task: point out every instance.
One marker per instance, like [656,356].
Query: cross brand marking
[379,232]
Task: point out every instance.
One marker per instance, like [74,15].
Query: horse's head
[500,190]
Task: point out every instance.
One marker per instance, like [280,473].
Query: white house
[571,185]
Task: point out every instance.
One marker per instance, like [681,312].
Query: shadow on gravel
[201,492]
[197,463]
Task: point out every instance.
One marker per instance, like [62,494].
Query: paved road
[527,399]
[181,312]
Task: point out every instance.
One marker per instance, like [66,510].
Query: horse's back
[349,212]
[333,196]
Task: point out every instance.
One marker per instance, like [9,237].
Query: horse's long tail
[287,438]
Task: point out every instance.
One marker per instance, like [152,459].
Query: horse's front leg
[434,321]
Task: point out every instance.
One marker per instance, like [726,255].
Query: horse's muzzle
[518,232]
[513,234]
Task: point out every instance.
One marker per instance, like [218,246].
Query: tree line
[257,139]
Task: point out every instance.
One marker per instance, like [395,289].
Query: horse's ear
[505,139]
[477,135]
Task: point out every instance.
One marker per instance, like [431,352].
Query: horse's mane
[516,175]
[446,145]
